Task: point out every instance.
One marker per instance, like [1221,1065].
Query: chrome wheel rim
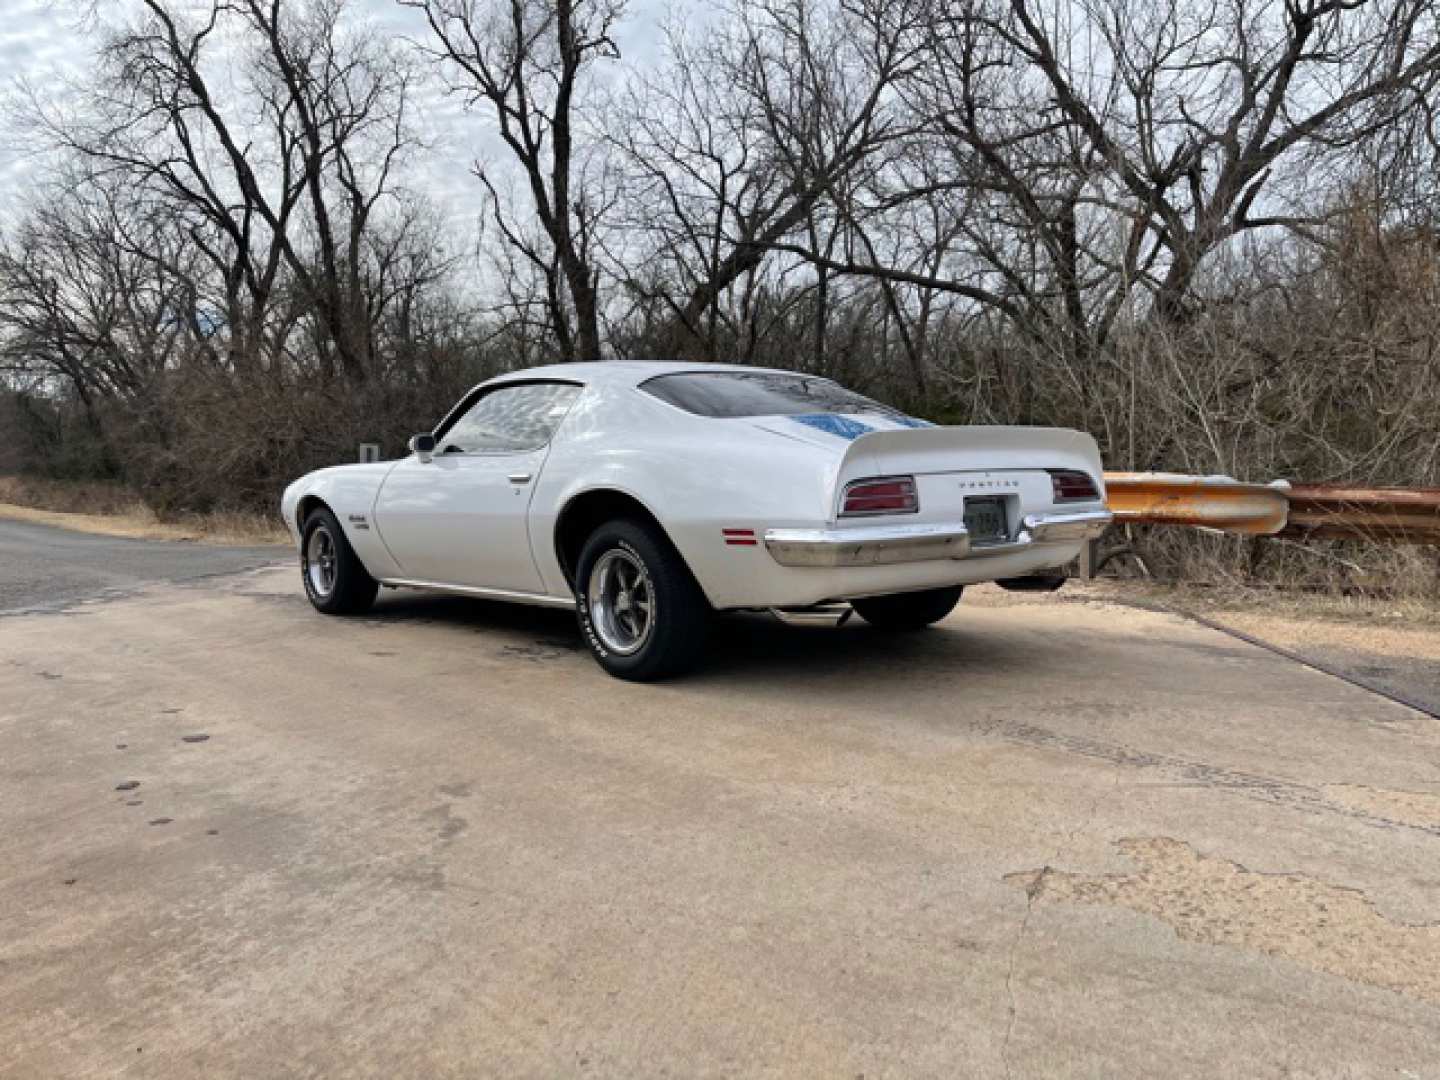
[320,561]
[622,604]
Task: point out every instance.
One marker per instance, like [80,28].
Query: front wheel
[908,611]
[642,613]
[335,579]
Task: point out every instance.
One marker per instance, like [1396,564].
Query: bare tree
[732,149]
[341,99]
[297,190]
[524,61]
[1213,104]
[1078,156]
[98,294]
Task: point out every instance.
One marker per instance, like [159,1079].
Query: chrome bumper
[883,545]
[1076,525]
[867,545]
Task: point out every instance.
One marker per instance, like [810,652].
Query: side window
[510,418]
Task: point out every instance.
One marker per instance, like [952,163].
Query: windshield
[729,394]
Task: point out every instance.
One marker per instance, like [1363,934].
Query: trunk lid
[956,469]
[951,465]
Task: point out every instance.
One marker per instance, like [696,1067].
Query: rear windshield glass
[727,394]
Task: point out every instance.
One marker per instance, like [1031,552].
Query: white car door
[461,517]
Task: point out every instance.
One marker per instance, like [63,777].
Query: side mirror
[422,446]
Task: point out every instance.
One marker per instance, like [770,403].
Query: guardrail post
[1089,556]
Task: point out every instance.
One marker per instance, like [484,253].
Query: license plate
[985,519]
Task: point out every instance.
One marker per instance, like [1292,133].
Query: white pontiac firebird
[647,496]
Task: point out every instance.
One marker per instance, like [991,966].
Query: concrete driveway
[1047,838]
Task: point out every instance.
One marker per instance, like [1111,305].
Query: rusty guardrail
[1212,502]
[1393,515]
[1318,511]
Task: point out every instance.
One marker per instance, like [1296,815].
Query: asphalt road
[1043,839]
[43,567]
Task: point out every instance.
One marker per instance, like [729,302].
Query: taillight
[880,495]
[1072,485]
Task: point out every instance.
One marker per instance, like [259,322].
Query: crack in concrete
[1268,789]
[1032,893]
[1327,928]
[1418,809]
[1032,890]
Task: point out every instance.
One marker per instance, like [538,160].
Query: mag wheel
[621,602]
[335,579]
[640,610]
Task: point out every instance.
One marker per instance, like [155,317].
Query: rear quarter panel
[696,476]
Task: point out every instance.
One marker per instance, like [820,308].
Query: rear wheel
[335,579]
[908,611]
[642,613]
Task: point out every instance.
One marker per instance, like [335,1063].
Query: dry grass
[113,510]
[1233,598]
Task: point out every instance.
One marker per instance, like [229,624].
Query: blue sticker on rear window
[834,424]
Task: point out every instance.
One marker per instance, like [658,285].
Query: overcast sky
[45,43]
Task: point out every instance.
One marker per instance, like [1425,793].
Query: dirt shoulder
[111,510]
[142,527]
[1394,646]
[1402,658]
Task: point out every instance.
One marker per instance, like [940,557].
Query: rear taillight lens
[880,495]
[1072,485]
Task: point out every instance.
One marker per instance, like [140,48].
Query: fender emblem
[358,520]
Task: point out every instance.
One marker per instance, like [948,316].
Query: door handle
[519,478]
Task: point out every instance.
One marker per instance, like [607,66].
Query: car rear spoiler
[970,449]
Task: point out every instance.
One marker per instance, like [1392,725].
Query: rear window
[729,394]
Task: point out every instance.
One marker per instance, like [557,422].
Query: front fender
[350,492]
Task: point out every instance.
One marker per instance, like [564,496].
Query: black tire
[676,621]
[352,590]
[908,611]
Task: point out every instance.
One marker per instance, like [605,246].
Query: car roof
[621,372]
